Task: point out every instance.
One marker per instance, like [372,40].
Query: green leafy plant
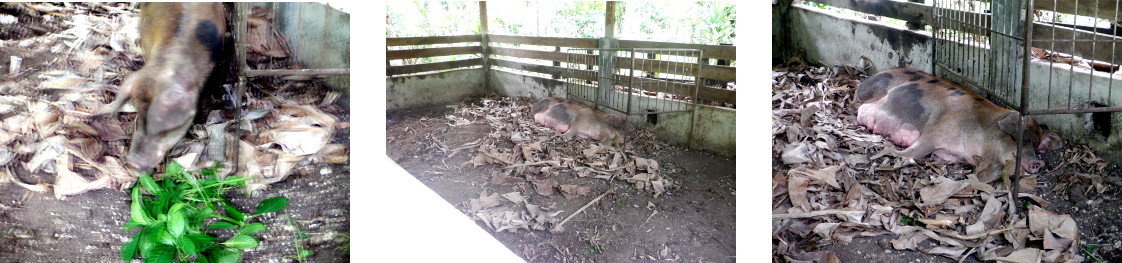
[298,236]
[181,212]
[1089,250]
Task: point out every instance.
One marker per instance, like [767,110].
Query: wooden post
[557,63]
[607,57]
[484,44]
[610,20]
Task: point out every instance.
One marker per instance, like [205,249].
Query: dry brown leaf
[514,197]
[826,230]
[501,179]
[908,242]
[572,190]
[797,153]
[826,175]
[545,187]
[941,190]
[1027,255]
[797,187]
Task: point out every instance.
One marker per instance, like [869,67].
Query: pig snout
[1032,166]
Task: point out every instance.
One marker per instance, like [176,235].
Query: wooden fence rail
[722,73]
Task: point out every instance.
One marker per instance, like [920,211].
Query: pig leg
[918,150]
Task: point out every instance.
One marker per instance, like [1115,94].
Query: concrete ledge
[825,38]
[434,88]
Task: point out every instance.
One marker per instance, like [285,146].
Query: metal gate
[982,44]
[635,81]
[240,26]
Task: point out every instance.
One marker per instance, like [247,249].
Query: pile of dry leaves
[52,100]
[827,189]
[529,152]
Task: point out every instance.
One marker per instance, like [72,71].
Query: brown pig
[575,119]
[929,115]
[180,43]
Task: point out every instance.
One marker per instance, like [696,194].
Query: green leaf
[202,241]
[173,170]
[251,229]
[137,210]
[241,241]
[149,184]
[186,245]
[305,253]
[128,250]
[272,205]
[163,236]
[130,225]
[177,221]
[233,211]
[225,256]
[160,254]
[222,225]
[146,241]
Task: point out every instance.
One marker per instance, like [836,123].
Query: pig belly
[884,123]
[550,122]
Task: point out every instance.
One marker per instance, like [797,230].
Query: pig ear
[1010,123]
[124,93]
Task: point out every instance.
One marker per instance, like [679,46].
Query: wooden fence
[708,72]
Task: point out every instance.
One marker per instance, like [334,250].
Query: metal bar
[296,72]
[1050,62]
[693,100]
[1077,40]
[1091,77]
[659,112]
[1113,48]
[1071,111]
[631,83]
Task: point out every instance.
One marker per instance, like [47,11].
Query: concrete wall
[318,35]
[510,84]
[826,38]
[434,88]
[1077,127]
[714,127]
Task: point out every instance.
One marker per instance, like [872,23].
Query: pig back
[199,27]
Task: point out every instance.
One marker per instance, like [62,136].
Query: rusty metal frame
[594,95]
[1019,103]
[241,28]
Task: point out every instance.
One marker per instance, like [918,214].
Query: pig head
[929,115]
[180,43]
[575,119]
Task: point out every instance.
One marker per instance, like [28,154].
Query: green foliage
[173,218]
[701,22]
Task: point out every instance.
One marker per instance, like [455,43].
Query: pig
[929,115]
[575,119]
[180,43]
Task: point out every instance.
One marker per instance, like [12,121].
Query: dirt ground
[1075,182]
[692,222]
[87,227]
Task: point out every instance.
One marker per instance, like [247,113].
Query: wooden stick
[582,209]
